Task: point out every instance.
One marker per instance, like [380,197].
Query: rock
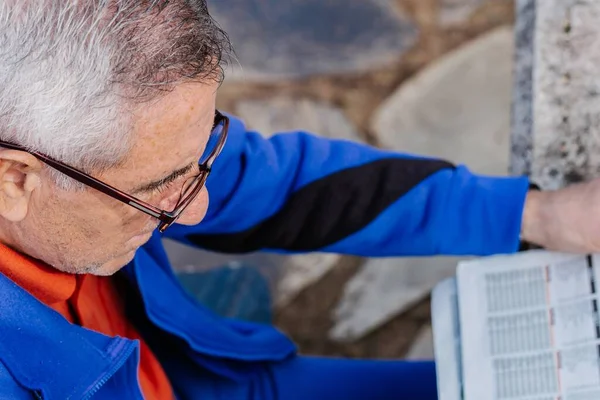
[458,108]
[384,288]
[292,39]
[455,12]
[522,103]
[566,92]
[422,347]
[286,114]
[299,272]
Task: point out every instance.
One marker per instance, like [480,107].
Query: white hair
[70,70]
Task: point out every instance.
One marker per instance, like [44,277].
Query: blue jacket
[292,193]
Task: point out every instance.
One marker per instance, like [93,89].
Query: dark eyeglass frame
[166,218]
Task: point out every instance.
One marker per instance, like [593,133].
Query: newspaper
[523,327]
[529,329]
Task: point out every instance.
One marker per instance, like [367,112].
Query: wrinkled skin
[87,231]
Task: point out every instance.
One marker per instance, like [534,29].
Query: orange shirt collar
[43,282]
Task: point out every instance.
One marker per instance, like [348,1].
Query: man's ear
[19,177]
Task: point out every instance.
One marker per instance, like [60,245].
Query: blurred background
[430,77]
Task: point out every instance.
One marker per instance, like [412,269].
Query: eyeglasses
[189,191]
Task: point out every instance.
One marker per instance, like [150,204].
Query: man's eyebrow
[148,187]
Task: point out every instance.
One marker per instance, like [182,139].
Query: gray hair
[69,70]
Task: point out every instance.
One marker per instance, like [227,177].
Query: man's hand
[564,220]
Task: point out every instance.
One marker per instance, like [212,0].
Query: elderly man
[108,135]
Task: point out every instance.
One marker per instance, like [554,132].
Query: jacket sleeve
[296,192]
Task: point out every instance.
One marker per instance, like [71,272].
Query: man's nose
[195,212]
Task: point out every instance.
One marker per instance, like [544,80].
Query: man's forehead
[171,132]
[185,105]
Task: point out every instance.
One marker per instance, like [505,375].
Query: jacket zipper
[125,353]
[114,368]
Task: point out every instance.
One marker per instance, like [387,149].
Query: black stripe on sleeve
[329,209]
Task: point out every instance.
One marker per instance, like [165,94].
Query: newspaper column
[556,107]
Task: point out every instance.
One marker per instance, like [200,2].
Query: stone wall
[557,104]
